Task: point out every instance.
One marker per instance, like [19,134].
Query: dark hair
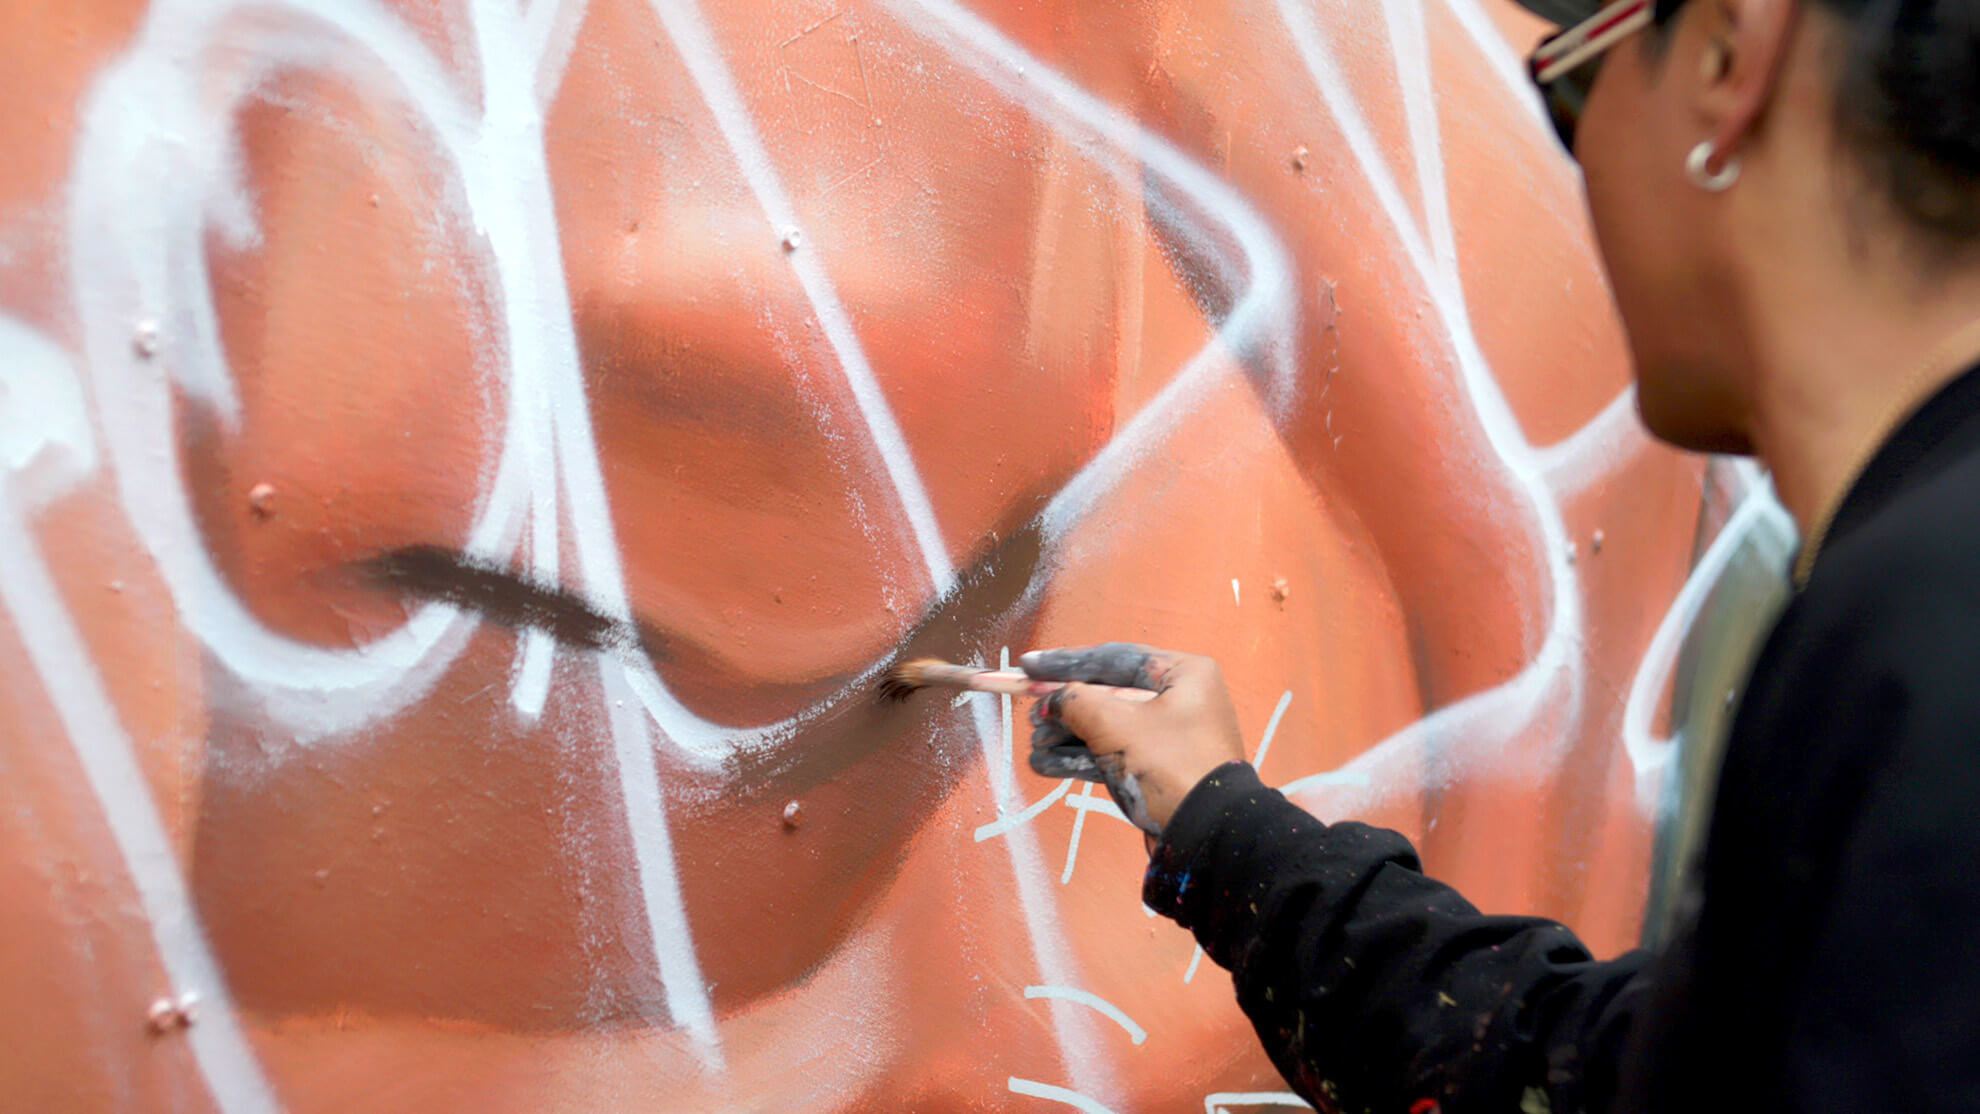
[1908,104]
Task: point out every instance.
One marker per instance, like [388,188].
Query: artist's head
[1726,143]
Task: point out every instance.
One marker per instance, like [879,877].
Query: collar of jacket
[1942,430]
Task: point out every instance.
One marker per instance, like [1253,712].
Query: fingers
[1121,664]
[1088,715]
[1056,752]
[1148,724]
[1066,760]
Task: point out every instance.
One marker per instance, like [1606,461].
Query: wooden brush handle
[1012,682]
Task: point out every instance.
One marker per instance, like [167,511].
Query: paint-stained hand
[1148,753]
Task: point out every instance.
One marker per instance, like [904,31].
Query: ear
[1735,51]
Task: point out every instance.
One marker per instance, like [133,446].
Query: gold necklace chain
[1946,357]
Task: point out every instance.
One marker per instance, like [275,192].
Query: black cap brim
[1566,13]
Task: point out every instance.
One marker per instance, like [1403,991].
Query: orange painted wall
[700,360]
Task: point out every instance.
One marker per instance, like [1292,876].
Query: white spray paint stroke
[503,176]
[1073,1099]
[1079,1046]
[545,387]
[1093,1001]
[109,764]
[1487,722]
[1332,777]
[1272,729]
[1263,319]
[534,661]
[659,880]
[1102,805]
[695,44]
[1499,54]
[1222,1101]
[1409,43]
[549,386]
[1195,961]
[1338,95]
[46,446]
[552,35]
[1079,828]
[530,382]
[152,156]
[1002,771]
[1597,450]
[535,649]
[1647,754]
[1268,299]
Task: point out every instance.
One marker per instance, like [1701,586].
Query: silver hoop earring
[1699,167]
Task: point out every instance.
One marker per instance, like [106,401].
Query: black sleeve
[1886,1014]
[1374,987]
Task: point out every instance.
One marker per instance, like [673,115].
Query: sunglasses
[1564,66]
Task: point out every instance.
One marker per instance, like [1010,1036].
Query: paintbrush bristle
[906,679]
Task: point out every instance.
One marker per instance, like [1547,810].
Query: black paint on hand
[1121,664]
[1056,752]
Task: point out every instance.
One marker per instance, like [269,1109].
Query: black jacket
[1830,956]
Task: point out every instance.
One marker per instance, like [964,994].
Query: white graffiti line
[154,162]
[1469,736]
[1006,824]
[659,877]
[547,380]
[1649,755]
[1222,1101]
[1002,770]
[1079,827]
[142,118]
[1051,950]
[1261,321]
[552,33]
[1331,777]
[1504,61]
[545,387]
[1195,960]
[1093,1001]
[1102,805]
[1335,90]
[1492,719]
[1409,44]
[1269,293]
[1268,299]
[1271,729]
[695,44]
[142,125]
[536,654]
[46,446]
[1056,1094]
[103,750]
[1597,450]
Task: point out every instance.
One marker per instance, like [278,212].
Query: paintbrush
[908,678]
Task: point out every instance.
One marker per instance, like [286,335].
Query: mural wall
[465,464]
